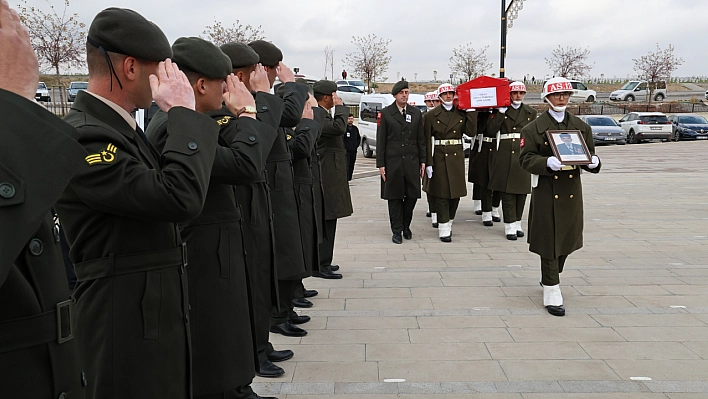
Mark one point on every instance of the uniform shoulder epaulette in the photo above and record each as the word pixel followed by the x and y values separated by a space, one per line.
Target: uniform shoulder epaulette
pixel 223 121
pixel 106 156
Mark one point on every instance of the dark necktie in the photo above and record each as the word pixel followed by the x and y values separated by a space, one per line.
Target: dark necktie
pixel 142 135
pixel 403 112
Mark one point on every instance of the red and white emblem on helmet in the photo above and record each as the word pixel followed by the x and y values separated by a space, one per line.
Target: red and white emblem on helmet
pixel 444 88
pixel 430 96
pixel 517 86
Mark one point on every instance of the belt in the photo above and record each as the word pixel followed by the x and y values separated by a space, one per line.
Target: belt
pixel 510 136
pixel 117 265
pixel 38 329
pixel 447 142
pixel 487 139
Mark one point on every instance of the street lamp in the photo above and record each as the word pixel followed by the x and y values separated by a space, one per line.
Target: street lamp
pixel 435 76
pixel 415 76
pixel 508 15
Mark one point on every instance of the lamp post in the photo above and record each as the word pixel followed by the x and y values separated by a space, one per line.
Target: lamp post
pixel 508 15
pixel 435 76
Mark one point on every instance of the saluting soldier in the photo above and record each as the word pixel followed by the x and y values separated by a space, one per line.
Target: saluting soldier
pixel 333 158
pixel 401 158
pixel 39 355
pixel 223 347
pixel 445 126
pixel 119 212
pixel 506 176
pixel 556 213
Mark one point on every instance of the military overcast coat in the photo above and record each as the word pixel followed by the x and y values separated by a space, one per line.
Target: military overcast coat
pixel 481 151
pixel 333 161
pixel 505 173
pixel 448 161
pixel 556 213
pixel 38 156
pixel 400 148
pixel 119 216
pixel 223 347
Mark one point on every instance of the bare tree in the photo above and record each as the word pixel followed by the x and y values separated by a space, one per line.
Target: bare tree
pixel 657 66
pixel 220 34
pixel 467 61
pixel 570 62
pixel 370 59
pixel 58 40
pixel 329 61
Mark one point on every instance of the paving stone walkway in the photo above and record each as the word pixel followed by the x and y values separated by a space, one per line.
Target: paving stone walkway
pixel 465 319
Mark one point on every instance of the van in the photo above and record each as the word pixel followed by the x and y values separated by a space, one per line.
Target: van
pixel 639 90
pixel 370 107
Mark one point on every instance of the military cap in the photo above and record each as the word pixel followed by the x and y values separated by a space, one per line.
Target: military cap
pixel 269 53
pixel 241 54
pixel 124 31
pixel 202 57
pixel 324 87
pixel 400 85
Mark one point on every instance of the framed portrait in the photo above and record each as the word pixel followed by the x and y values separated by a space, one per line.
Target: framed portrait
pixel 569 147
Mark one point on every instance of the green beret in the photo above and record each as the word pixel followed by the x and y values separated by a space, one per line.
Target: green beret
pixel 241 54
pixel 400 85
pixel 123 31
pixel 270 55
pixel 324 87
pixel 202 57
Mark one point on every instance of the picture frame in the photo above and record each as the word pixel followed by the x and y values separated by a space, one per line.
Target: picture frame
pixel 569 147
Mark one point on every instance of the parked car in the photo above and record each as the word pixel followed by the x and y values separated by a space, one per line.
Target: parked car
pixel 353 82
pixel 42 93
pixel 706 94
pixel 74 89
pixel 310 81
pixel 418 101
pixel 370 106
pixel 639 90
pixel 580 92
pixel 350 95
pixel 688 127
pixel 640 126
pixel 604 129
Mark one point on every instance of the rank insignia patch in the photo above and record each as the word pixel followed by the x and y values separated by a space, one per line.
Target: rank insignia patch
pixel 521 144
pixel 106 156
pixel 224 120
pixel 288 137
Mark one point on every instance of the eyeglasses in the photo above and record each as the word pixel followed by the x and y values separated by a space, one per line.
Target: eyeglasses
pixel 565 94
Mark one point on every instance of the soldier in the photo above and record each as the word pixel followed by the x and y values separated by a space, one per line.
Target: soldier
pixel 352 142
pixel 401 158
pixel 506 176
pixel 330 148
pixel 223 347
pixel 444 127
pixel 431 213
pixel 120 210
pixel 39 355
pixel 556 213
pixel 481 152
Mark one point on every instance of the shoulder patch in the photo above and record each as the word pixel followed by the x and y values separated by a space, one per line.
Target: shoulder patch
pixel 224 120
pixel 106 156
pixel 521 143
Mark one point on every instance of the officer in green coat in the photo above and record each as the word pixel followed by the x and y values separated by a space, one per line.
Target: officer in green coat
pixel 505 174
pixel 556 213
pixel 39 352
pixel 120 212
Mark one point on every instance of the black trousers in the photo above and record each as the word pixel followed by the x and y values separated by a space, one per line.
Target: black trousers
pixel 286 294
pixel 490 199
pixel 447 209
pixel 512 206
pixel 243 392
pixel 551 270
pixel 432 203
pixel 400 212
pixel 477 192
pixel 351 158
pixel 326 249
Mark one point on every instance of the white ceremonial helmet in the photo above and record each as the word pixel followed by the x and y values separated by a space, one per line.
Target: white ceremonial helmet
pixel 444 88
pixel 556 85
pixel 517 86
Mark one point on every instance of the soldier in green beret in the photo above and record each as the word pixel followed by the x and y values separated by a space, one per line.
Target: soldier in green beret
pixel 120 211
pixel 222 337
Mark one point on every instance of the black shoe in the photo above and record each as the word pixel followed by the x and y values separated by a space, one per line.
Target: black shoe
pixel 334 268
pixel 310 293
pixel 479 213
pixel 300 319
pixel 511 237
pixel 288 329
pixel 280 356
pixel 556 310
pixel 269 370
pixel 488 223
pixel 327 275
pixel 519 233
pixel 496 219
pixel 435 225
pixel 446 239
pixel 407 234
pixel 255 396
pixel 302 303
pixel 427 214
pixel 397 239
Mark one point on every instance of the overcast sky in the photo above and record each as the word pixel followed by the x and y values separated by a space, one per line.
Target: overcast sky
pixel 423 33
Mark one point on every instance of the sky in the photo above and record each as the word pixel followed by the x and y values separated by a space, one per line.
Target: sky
pixel 423 33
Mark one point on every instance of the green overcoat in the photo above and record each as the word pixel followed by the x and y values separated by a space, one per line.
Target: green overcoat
pixel 505 173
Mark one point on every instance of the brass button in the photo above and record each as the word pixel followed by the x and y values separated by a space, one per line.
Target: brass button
pixel 556 197
pixel 446 154
pixel 514 128
pixel 555 177
pixel 490 149
pixel 505 117
pixel 454 131
pixel 571 195
pixel 460 120
pixel 455 154
pixel 570 176
pixel 546 143
pixel 512 152
pixel 513 140
pixel 438 122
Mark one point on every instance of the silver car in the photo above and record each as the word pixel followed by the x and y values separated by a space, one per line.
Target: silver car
pixel 605 129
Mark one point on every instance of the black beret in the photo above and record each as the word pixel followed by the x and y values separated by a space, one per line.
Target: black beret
pixel 124 31
pixel 400 85
pixel 202 57
pixel 269 53
pixel 241 54
pixel 324 87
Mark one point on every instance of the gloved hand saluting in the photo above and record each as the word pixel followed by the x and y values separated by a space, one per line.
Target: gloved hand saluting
pixel 554 164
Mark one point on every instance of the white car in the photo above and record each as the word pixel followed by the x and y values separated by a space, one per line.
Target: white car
pixel 309 78
pixel 350 95
pixel 353 82
pixel 581 93
pixel 638 90
pixel 42 93
pixel 640 126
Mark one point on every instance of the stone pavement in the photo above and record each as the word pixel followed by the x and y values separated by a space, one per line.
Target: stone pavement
pixel 427 319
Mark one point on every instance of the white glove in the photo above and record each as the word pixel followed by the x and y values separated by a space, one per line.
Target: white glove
pixel 429 171
pixel 595 162
pixel 470 110
pixel 554 163
pixel 502 109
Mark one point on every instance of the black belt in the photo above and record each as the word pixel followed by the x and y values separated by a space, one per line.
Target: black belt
pixel 117 265
pixel 38 329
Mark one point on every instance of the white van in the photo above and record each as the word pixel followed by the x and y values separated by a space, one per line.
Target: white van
pixel 370 107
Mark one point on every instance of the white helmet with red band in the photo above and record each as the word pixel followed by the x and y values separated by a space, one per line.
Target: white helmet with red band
pixel 517 86
pixel 556 85
pixel 444 88
pixel 430 96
